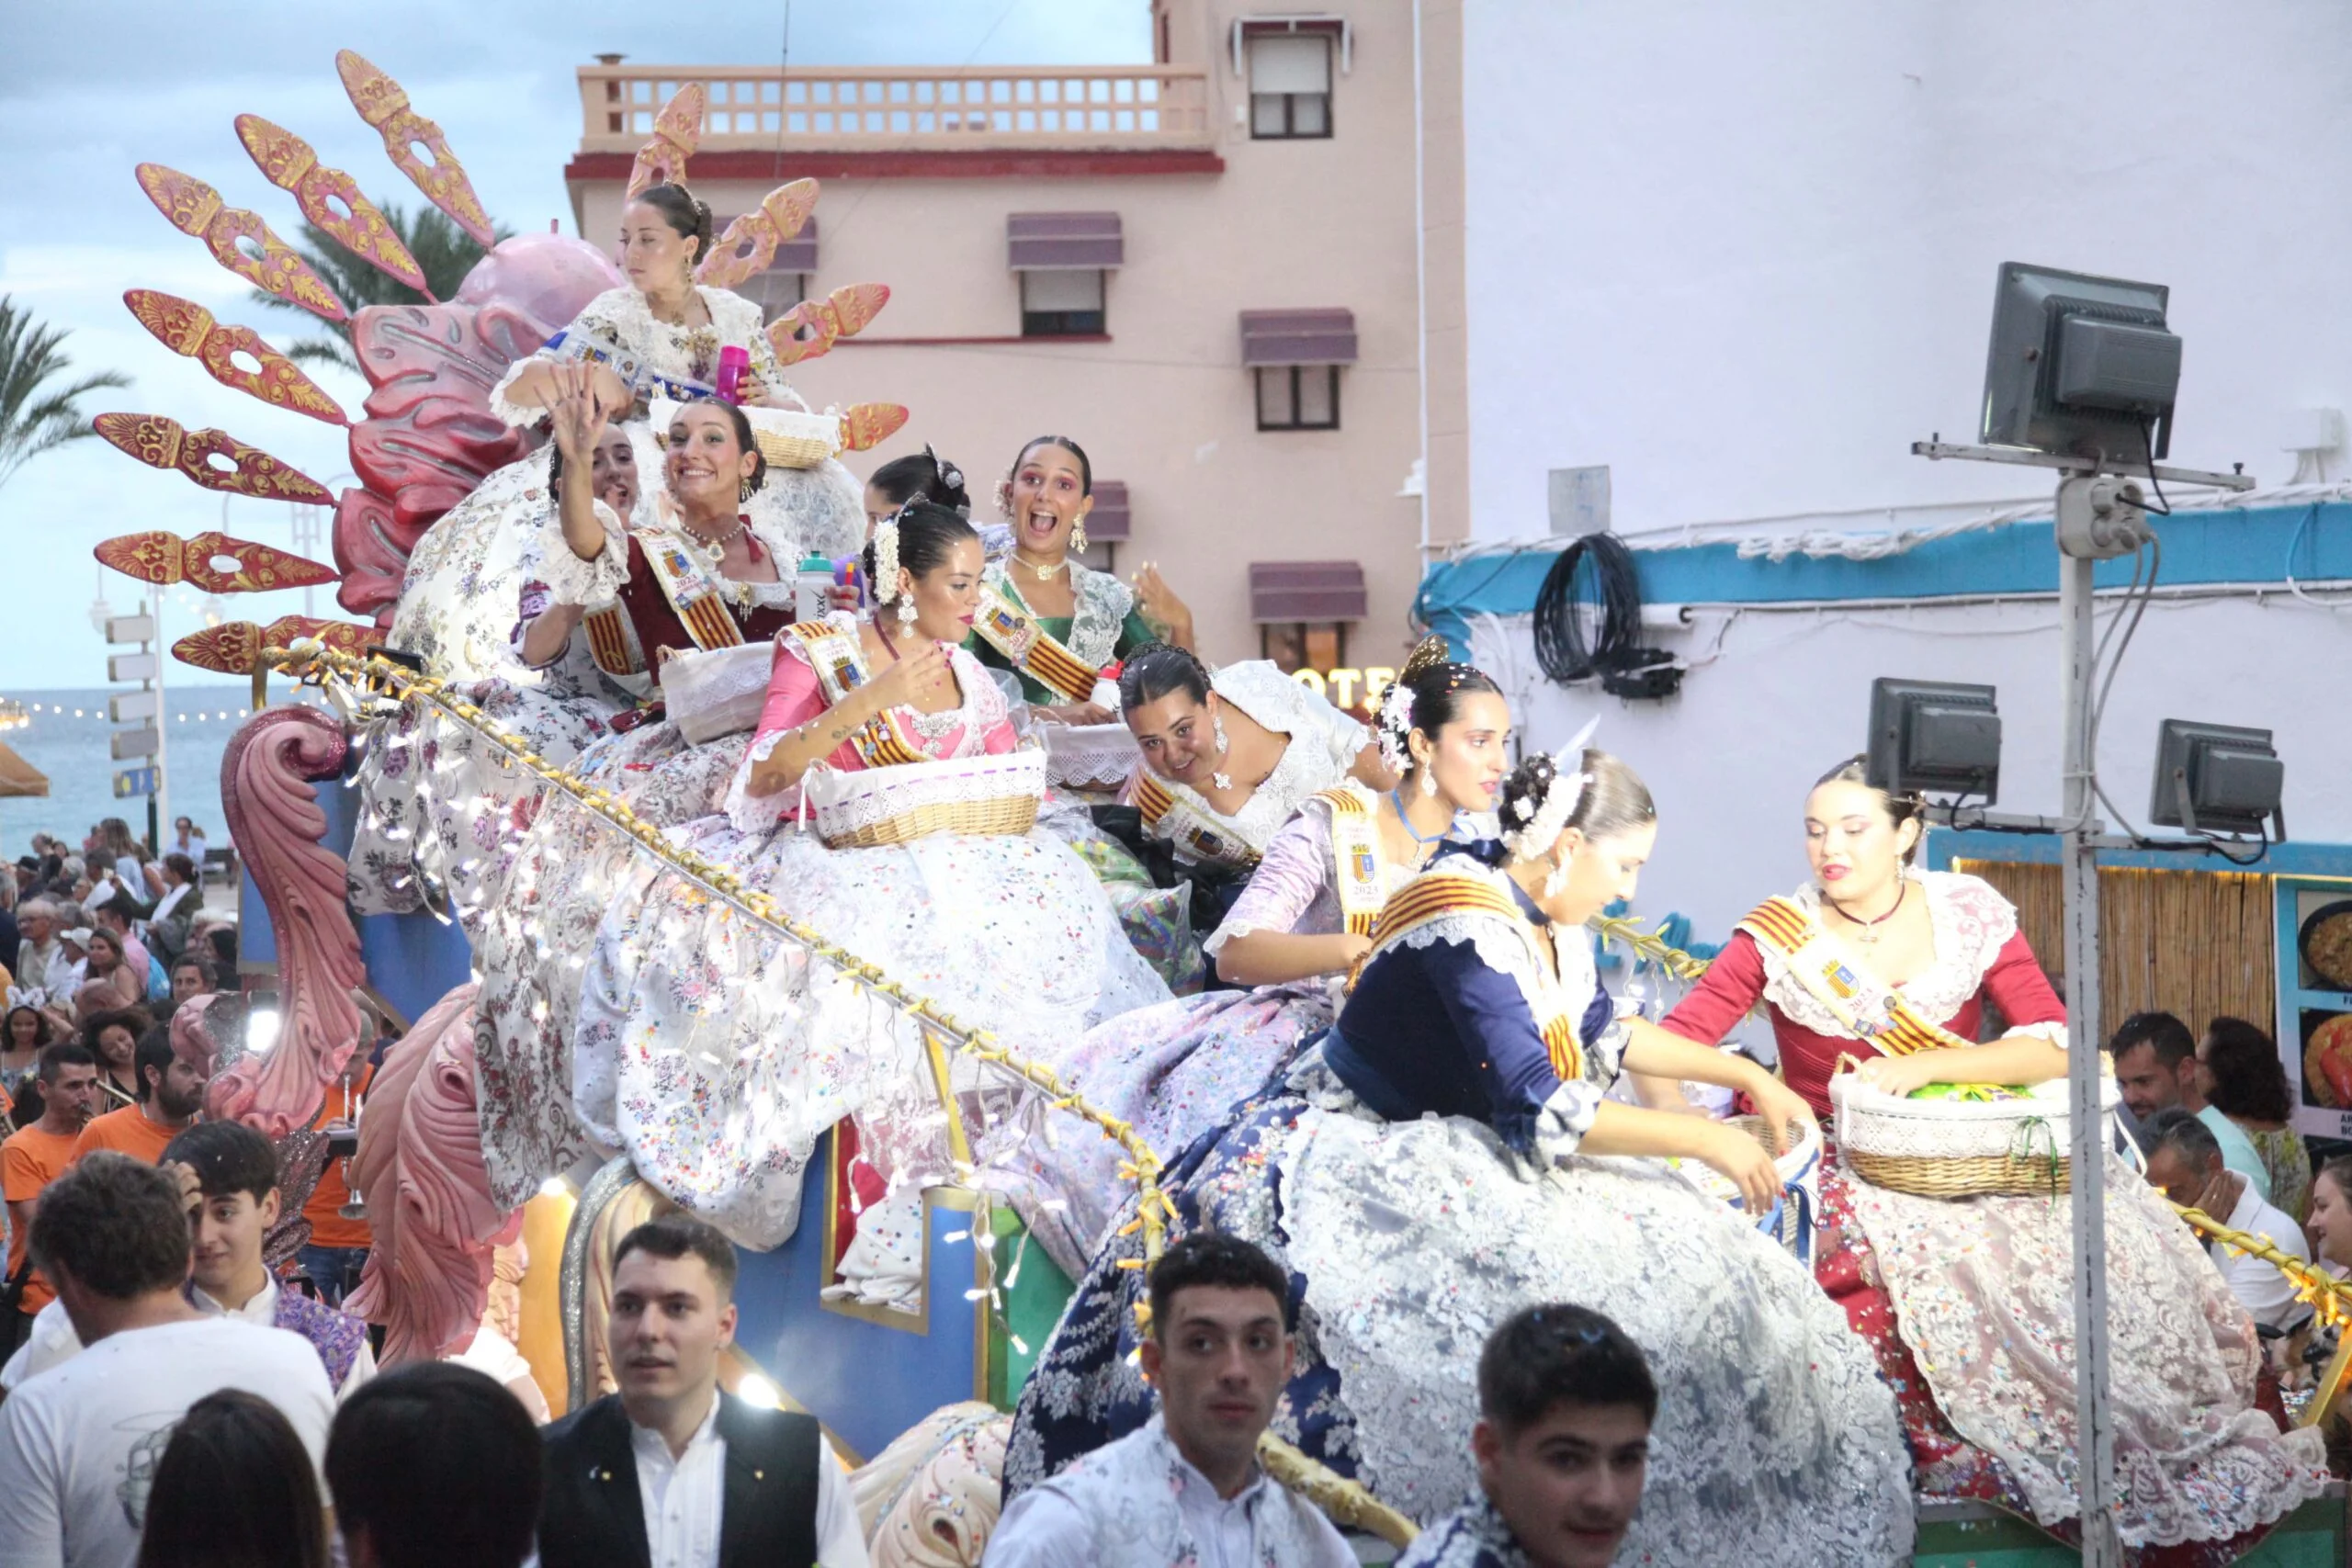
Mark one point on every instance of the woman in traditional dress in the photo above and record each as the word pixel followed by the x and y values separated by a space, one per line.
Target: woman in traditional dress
pixel 1046 615
pixel 1227 759
pixel 1967 1301
pixel 659 338
pixel 703 1045
pixel 1446 1154
pixel 1305 919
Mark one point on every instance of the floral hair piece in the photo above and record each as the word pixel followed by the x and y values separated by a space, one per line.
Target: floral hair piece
pixel 885 559
pixel 1394 723
pixel 1541 826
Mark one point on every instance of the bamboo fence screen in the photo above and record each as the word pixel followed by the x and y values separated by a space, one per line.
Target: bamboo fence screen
pixel 2196 944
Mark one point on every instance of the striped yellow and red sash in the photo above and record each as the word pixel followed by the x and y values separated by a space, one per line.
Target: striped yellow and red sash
pixel 1010 628
pixel 612 641
pixel 1190 827
pixel 1434 895
pixel 699 597
pixel 1869 1008
pixel 834 655
pixel 1355 857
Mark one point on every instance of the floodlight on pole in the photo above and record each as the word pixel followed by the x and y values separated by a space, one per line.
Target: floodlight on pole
pixel 2080 376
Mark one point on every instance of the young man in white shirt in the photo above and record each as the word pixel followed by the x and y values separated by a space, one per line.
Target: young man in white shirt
pixel 1185 1487
pixel 79 1444
pixel 1566 1402
pixel 2185 1163
pixel 670 1473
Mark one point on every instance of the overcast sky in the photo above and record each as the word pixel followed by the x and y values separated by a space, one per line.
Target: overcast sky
pixel 89 90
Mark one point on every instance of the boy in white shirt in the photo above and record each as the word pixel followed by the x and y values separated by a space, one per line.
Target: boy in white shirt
pixel 79 1445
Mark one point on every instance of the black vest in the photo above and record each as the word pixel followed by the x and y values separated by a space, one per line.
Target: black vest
pixel 592 1515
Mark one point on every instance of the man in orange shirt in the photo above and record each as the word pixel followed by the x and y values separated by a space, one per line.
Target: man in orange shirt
pixel 171 1092
pixel 34 1156
pixel 338 1245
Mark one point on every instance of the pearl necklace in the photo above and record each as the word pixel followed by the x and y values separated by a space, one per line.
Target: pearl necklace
pixel 1043 573
pixel 717 545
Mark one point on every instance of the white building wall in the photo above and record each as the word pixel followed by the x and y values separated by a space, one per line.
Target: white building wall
pixel 1743 253
pixel 1730 760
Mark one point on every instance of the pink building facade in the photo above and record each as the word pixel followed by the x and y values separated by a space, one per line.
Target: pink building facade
pixel 1207 271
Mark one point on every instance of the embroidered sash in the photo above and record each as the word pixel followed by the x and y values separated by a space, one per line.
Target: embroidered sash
pixel 1355 857
pixel 569 346
pixel 1186 821
pixel 1436 895
pixel 840 665
pixel 1010 628
pixel 1872 1010
pixel 697 595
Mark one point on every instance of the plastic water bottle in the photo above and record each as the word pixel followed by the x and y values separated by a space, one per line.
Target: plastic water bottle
pixel 812 588
pixel 734 364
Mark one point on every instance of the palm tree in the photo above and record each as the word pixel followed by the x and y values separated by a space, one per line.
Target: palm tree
pixel 34 416
pixel 444 251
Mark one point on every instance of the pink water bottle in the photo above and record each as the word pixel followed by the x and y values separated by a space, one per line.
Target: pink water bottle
pixel 733 364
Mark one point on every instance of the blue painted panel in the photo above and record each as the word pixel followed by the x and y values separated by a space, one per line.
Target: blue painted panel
pixel 866 1381
pixel 2258 545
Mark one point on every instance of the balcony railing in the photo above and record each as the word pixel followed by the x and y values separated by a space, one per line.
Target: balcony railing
pixel 913 108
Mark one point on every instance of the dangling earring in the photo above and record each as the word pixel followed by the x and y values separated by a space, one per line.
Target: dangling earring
pixel 1216 727
pixel 905 614
pixel 1429 779
pixel 1078 537
pixel 743 492
pixel 1556 880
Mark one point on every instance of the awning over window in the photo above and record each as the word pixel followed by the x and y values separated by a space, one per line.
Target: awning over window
pixel 1298 337
pixel 1109 521
pixel 1041 242
pixel 1306 590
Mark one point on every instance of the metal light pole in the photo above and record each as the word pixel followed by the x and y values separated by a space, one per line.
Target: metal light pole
pixel 2095 520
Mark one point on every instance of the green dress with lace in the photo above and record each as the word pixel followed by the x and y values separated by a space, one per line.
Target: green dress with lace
pixel 1105 625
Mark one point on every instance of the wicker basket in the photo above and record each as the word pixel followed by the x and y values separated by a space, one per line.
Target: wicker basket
pixel 898 805
pixel 1954 1149
pixel 1789 1224
pixel 1100 757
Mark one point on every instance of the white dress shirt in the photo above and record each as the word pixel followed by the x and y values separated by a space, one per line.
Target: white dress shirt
pixel 1097 1514
pixel 262 1310
pixel 53 1340
pixel 684 1498
pixel 2265 1293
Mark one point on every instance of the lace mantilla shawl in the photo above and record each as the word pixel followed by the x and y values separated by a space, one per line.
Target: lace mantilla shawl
pixel 1099 606
pixel 1324 743
pixel 1127 1490
pixel 1972 922
pixel 619 316
pixel 1509 947
pixel 969 723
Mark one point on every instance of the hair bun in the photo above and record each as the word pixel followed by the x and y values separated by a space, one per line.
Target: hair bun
pixel 1426 653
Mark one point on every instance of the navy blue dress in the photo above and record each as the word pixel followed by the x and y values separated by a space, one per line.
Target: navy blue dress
pixel 1416 1174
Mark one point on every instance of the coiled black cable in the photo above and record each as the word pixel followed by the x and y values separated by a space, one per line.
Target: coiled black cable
pixel 1616 592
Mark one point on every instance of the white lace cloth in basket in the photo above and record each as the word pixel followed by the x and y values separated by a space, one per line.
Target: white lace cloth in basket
pixel 844 803
pixel 2037 1126
pixel 721 692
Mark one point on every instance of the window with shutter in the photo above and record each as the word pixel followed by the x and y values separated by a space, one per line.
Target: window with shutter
pixel 1290 87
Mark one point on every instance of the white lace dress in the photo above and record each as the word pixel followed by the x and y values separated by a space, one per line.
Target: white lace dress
pixel 711 1053
pixel 465 591
pixel 1408 1241
pixel 1324 744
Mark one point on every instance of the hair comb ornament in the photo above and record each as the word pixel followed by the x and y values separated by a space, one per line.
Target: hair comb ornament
pixel 949 474
pixel 1541 826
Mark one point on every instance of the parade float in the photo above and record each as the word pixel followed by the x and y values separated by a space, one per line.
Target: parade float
pixel 392 846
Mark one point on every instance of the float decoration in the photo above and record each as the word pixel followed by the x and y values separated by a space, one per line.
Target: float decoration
pixel 383 104
pixel 187 328
pixel 162 441
pixel 854 306
pixel 164 559
pixel 291 164
pixel 270 265
pixel 866 426
pixel 677 130
pixel 749 243
pixel 233 647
